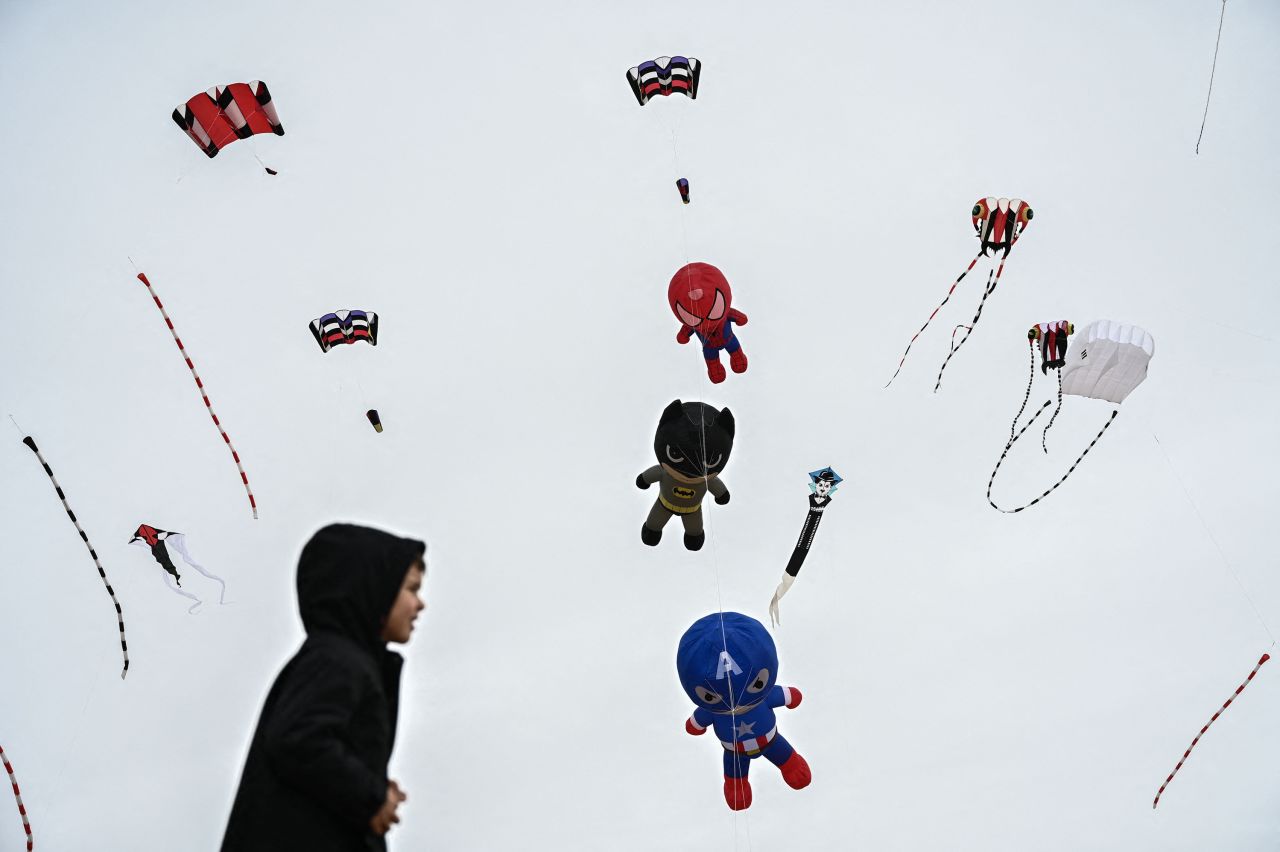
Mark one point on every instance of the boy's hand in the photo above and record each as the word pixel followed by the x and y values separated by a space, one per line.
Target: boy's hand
pixel 386 815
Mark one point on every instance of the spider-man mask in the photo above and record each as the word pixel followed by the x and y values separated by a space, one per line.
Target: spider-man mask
pixel 700 297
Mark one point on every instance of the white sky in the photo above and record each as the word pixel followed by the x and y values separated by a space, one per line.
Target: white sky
pixel 481 177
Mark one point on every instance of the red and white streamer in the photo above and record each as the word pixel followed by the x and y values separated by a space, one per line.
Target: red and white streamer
pixel 1221 710
pixel 253 504
pixel 17 794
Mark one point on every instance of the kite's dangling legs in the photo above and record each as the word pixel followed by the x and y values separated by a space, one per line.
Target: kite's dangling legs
pixel 1054 487
pixel 1030 378
pixel 1044 436
pixel 17 794
pixel 1221 710
pixel 168 581
pixel 954 284
pixel 992 281
pixel 124 647
pixel 244 478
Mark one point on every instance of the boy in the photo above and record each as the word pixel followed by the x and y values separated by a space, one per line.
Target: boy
pixel 316 775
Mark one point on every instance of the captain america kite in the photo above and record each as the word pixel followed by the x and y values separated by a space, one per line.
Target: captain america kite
pixel 728 666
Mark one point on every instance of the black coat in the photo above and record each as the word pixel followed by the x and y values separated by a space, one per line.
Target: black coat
pixel 317 767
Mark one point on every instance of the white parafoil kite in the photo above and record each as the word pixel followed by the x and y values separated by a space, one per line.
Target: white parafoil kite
pixel 1108 362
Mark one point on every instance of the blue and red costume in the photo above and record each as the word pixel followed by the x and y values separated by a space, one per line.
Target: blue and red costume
pixel 702 300
pixel 728 665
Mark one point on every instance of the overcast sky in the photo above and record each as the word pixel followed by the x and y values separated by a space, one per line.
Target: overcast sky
pixel 480 176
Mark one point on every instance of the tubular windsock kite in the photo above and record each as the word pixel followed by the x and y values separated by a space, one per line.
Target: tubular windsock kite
pixel 998 223
pixel 215 118
pixel 666 75
pixel 159 542
pixel 1214 718
pixel 124 647
pixel 244 478
pixel 822 486
pixel 682 186
pixel 1110 360
pixel 17 794
pixel 374 420
pixel 345 327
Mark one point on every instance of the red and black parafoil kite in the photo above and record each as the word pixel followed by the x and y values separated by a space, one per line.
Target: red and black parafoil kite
pixel 215 118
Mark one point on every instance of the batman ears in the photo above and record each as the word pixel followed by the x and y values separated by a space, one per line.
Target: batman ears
pixel 725 421
pixel 672 411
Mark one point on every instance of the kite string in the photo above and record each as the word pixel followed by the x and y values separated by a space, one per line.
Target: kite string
pixel 1208 532
pixel 1212 70
pixel 706 516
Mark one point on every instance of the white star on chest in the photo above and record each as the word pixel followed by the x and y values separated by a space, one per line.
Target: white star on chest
pixel 744 728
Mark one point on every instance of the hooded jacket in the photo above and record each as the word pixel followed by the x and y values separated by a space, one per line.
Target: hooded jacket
pixel 317 767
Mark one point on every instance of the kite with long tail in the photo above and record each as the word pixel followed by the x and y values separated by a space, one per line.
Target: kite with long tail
pixel 998 223
pixel 253 504
pixel 159 542
pixel 1214 718
pixel 17 794
pixel 822 485
pixel 1108 363
pixel 1052 337
pixel 124 647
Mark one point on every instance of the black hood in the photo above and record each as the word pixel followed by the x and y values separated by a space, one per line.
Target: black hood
pixel 694 438
pixel 348 578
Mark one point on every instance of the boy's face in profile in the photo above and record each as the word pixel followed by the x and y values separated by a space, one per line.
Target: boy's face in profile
pixel 398 626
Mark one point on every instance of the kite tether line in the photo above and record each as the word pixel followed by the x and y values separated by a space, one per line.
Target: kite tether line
pixel 124 648
pixel 1212 70
pixel 253 504
pixel 17 794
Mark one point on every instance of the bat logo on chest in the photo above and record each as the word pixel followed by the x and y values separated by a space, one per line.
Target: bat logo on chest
pixel 684 493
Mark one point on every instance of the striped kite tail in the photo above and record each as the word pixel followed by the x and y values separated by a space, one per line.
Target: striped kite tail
pixel 17 794
pixel 124 646
pixel 1214 718
pixel 968 329
pixel 1070 470
pixel 941 304
pixel 1026 396
pixel 244 478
